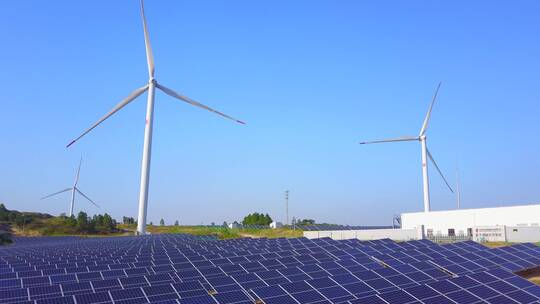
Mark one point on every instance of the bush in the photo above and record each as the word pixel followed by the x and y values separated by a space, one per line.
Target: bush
pixel 305 222
pixel 47 224
pixel 128 220
pixel 5 237
pixel 257 219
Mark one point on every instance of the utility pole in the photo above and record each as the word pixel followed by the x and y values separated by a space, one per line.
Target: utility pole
pixel 287 207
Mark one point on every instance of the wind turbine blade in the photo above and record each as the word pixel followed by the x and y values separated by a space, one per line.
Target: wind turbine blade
pixel 193 102
pixel 119 106
pixel 439 170
pixel 78 172
pixel 86 197
pixel 428 115
pixel 404 138
pixel 67 189
pixel 149 56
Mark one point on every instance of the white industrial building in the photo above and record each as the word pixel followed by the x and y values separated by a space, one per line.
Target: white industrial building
pixel 464 221
pixel 498 224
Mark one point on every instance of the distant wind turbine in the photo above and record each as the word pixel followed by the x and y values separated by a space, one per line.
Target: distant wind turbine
pixel 150 87
pixel 425 152
pixel 73 189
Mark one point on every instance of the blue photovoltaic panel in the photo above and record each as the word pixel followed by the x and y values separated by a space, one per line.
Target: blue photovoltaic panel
pixel 231 297
pixel 283 299
pixel 206 299
pixel 125 294
pixel 93 298
pixel 268 292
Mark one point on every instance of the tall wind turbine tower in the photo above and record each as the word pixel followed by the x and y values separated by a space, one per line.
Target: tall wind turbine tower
pixel 150 87
pixel 287 207
pixel 422 137
pixel 73 189
pixel 458 188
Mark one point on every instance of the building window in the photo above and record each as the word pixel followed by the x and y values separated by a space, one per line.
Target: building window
pixel 451 232
pixel 469 231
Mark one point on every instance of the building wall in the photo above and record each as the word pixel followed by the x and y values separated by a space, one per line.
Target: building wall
pixel 438 222
pixel 522 234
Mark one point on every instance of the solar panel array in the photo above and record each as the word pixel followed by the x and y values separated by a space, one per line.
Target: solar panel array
pixel 330 227
pixel 198 270
pixel 254 226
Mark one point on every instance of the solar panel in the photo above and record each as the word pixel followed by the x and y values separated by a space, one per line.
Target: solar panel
pixel 13 294
pixel 483 292
pixel 397 297
pixel 125 294
pixel 268 292
pixel 227 288
pixel 359 288
pixel 93 298
pixel 232 297
pixel 58 300
pixel 206 299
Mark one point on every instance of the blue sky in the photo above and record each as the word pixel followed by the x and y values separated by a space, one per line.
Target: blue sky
pixel 310 78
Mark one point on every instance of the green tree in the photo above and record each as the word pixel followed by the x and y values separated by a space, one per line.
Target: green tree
pixel 4 213
pixel 305 222
pixel 257 219
pixel 267 219
pixel 128 220
pixel 98 220
pixel 108 223
pixel 82 221
pixel 176 223
pixel 161 222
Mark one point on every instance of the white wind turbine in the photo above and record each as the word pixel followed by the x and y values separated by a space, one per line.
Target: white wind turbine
pixel 425 152
pixel 73 189
pixel 150 87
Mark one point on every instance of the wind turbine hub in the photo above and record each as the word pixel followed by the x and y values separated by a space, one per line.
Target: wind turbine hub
pixel 152 81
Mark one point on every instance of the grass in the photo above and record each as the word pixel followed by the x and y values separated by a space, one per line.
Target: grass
pixel 501 244
pixel 220 232
pixel 271 233
pixel 56 226
pixel 496 244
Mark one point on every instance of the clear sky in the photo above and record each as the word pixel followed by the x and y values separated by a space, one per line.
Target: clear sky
pixel 310 78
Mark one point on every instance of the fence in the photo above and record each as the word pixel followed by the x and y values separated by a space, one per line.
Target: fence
pixel 480 234
pixel 369 234
pixel 449 238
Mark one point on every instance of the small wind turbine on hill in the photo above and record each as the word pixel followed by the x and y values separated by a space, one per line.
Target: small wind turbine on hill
pixel 150 87
pixel 425 152
pixel 73 189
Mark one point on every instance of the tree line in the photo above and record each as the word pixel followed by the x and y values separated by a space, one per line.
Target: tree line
pixel 81 224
